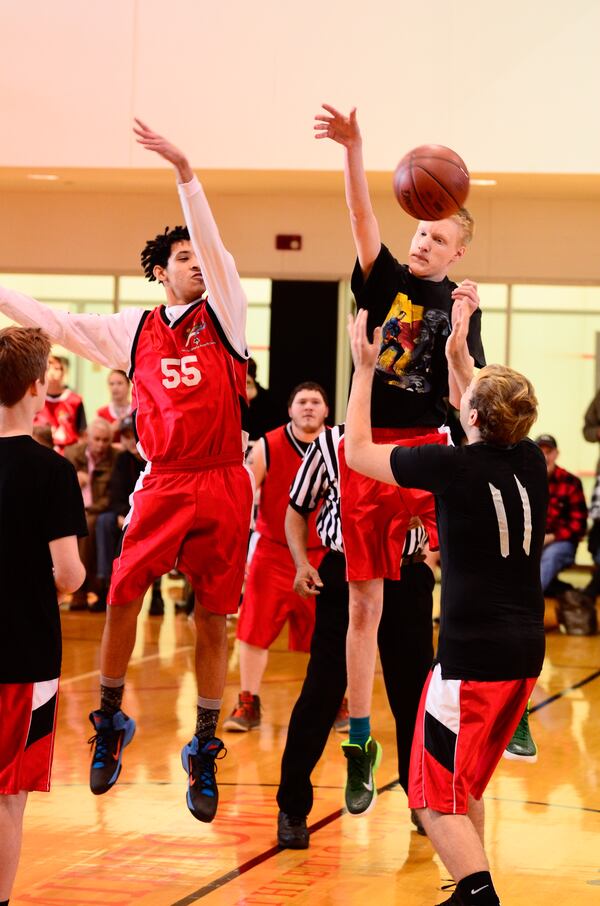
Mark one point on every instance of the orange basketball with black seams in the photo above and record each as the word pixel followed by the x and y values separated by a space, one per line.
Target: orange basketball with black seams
pixel 431 182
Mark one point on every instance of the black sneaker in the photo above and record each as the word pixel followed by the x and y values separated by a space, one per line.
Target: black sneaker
pixel 292 832
pixel 200 765
pixel 113 733
pixel 361 792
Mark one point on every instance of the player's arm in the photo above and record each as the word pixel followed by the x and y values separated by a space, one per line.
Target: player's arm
pixel 104 339
pixel 69 571
pixel 361 453
pixel 307 581
pixel 460 361
pixel 257 462
pixel 225 293
pixel 365 228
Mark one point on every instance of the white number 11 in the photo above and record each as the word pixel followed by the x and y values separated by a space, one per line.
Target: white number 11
pixel 503 521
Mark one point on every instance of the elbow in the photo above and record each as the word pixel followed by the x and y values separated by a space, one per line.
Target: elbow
pixel 352 456
pixel 69 580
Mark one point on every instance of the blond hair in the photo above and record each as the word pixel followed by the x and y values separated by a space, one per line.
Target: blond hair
pixel 465 221
pixel 506 405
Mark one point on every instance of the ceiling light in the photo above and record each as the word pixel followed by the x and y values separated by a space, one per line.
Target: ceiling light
pixel 48 177
pixel 484 182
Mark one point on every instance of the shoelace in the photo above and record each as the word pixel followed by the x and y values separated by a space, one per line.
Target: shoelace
pixel 208 767
pixel 101 751
pixel 356 771
pixel 294 821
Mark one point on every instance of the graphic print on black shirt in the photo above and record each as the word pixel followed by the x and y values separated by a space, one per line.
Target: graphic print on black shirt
pixel 409 336
pixel 411 376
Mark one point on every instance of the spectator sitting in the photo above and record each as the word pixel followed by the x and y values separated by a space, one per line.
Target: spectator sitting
pixel 126 471
pixel 119 406
pixel 591 424
pixel 566 522
pixel 576 610
pixel 63 409
pixel 262 410
pixel 93 460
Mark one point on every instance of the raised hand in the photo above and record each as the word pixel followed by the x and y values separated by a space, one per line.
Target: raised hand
pixel 364 354
pixel 152 141
pixel 466 292
pixel 336 126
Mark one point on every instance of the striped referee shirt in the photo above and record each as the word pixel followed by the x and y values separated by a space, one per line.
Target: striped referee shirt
pixel 318 479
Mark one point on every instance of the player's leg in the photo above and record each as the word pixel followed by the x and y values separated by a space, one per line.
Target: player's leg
pixel 406 651
pixel 163 507
pixel 213 556
pixel 11 834
pixel 363 753
pixel 458 841
pixel 317 705
pixel 262 615
pixel 114 729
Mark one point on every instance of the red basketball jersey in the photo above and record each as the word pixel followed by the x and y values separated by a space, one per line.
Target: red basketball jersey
pixel 61 415
pixel 186 388
pixel 284 455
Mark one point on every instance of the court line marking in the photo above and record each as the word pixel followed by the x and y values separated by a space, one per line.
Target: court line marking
pixel 274 850
pixel 262 857
pixel 132 663
pixel 565 691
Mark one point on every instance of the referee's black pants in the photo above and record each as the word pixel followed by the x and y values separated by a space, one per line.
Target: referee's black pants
pixel 406 653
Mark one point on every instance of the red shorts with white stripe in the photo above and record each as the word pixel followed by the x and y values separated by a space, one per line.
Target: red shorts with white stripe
pixel 462 729
pixel 375 516
pixel 197 520
pixel 27 728
pixel 269 599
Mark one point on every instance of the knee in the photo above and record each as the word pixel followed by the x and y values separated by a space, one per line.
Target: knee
pixel 209 625
pixel 365 611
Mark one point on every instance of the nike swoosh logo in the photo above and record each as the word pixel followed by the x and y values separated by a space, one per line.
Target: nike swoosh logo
pixel 118 752
pixel 473 892
pixel 369 786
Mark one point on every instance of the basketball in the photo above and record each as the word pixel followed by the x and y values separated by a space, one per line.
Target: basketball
pixel 431 182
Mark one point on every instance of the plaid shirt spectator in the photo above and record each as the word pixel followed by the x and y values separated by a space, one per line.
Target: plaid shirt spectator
pixel 567 510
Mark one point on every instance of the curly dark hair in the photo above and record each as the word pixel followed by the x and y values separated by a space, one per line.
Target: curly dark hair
pixel 157 250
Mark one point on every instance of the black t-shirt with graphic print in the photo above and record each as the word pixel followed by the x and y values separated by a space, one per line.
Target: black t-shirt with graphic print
pixel 411 376
pixel 40 501
pixel 491 512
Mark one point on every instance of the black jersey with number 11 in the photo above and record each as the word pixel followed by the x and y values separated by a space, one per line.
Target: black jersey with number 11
pixel 491 511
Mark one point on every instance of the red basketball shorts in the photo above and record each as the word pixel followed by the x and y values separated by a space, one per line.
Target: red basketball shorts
pixel 269 599
pixel 27 728
pixel 195 520
pixel 375 516
pixel 461 731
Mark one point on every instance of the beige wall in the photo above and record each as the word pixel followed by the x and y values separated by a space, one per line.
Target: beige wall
pixel 512 85
pixel 516 239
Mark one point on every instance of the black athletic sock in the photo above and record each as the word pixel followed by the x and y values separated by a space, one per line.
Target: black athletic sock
pixel 477 890
pixel 206 723
pixel 111 698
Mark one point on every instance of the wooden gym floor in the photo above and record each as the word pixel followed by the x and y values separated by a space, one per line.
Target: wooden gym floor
pixel 138 844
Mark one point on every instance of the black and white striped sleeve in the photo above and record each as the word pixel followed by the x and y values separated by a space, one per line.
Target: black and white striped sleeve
pixel 310 482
